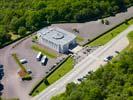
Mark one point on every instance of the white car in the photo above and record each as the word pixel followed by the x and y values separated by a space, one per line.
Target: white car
pixel 43 60
pixel 39 56
pixel 23 61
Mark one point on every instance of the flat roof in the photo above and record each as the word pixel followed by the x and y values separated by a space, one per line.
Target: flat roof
pixel 56 35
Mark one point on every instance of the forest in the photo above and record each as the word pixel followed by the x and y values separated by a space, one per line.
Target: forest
pixel 25 16
pixel 113 81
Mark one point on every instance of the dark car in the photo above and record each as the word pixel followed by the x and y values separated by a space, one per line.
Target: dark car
pixel 117 52
pixel 80 79
pixel 108 58
pixel 1 71
pixel 1 66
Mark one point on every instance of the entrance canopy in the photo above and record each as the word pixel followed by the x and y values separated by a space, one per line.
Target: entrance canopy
pixel 76 49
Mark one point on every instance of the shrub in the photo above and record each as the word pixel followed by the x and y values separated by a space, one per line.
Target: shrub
pixel 106 22
pixel 22 31
pixel 102 21
pixel 27 77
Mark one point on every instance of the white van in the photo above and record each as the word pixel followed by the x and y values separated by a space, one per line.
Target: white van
pixel 39 56
pixel 43 60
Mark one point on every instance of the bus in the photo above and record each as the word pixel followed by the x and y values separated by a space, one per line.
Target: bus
pixel 39 56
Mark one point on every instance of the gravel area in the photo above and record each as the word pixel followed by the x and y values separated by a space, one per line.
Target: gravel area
pixel 92 29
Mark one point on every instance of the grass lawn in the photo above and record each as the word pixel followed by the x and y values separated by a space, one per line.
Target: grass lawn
pixel 14 55
pixel 44 51
pixel 14 37
pixel 40 88
pixel 108 36
pixel 130 37
pixel 57 74
pixel 61 71
pixel 79 38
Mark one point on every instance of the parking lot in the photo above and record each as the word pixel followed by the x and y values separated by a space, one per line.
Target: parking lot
pixel 11 81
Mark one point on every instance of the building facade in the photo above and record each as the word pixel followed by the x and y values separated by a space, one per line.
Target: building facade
pixel 57 39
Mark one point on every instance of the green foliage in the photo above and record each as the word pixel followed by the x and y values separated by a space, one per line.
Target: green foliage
pixel 22 31
pixel 35 14
pixel 130 37
pixel 65 66
pixel 106 22
pixel 111 34
pixel 46 81
pixel 44 51
pixel 4 37
pixel 34 38
pixel 110 82
pixel 79 38
pixel 27 77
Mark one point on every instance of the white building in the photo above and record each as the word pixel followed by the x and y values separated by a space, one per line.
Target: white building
pixel 57 39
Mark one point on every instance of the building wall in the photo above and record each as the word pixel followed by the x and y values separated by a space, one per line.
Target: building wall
pixel 64 48
pixel 56 47
pixel 48 43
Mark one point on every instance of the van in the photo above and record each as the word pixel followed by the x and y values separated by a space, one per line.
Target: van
pixel 39 56
pixel 43 60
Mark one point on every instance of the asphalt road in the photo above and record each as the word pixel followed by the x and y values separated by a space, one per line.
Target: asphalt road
pixel 91 62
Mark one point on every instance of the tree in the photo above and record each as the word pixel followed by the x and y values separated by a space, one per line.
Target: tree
pixel 40 5
pixel 106 22
pixel 14 24
pixel 35 14
pixel 46 81
pixel 22 31
pixel 70 87
pixel 102 21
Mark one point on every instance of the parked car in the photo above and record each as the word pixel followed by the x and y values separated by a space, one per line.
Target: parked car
pixel 80 79
pixel 39 56
pixel 23 61
pixel 90 72
pixel 29 71
pixel 1 66
pixel 108 58
pixel 1 72
pixel 43 61
pixel 117 52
